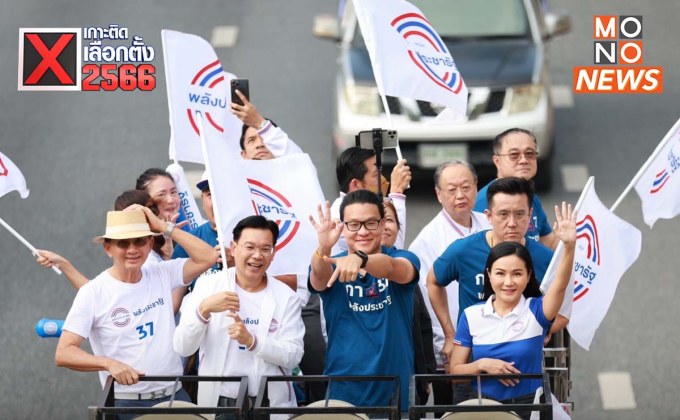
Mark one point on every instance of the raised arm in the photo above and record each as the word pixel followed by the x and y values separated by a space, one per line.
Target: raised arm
pixel 201 255
pixel 328 232
pixel 565 230
pixel 48 259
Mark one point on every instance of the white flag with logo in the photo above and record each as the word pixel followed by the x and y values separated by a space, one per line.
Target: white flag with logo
pixel 409 58
pixel 196 82
pixel 11 178
pixel 188 208
pixel 606 246
pixel 659 185
pixel 285 190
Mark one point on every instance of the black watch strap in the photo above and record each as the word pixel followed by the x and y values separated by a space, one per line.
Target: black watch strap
pixel 364 258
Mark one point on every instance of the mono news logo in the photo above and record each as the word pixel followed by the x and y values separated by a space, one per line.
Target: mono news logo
pixel 49 59
pixel 618 48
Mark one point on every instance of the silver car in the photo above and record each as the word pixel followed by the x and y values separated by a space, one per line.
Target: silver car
pixel 499 48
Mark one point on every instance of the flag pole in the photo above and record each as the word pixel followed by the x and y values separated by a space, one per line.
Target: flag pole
pixel 216 212
pixel 577 207
pixel 25 242
pixel 646 165
pixel 389 120
pixel 173 145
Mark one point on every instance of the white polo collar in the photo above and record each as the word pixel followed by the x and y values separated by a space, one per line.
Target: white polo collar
pixel 488 310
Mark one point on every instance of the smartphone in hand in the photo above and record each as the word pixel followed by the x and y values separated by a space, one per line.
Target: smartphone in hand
pixel 242 86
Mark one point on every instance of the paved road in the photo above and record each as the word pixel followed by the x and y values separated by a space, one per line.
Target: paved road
pixel 79 150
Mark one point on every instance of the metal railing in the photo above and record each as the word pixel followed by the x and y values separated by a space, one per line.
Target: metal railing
pixel 261 411
pixel 418 411
pixel 104 408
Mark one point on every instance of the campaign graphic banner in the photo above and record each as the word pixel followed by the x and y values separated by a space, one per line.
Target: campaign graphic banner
pixel 11 178
pixel 196 81
pixel 409 58
pixel 659 186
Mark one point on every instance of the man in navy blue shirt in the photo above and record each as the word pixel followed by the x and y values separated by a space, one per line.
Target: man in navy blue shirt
pixel 367 293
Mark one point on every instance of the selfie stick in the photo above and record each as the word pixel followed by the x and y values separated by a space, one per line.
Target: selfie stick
pixel 378 147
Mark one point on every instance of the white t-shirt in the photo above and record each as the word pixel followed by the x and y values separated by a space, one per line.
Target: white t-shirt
pixel 430 243
pixel 240 361
pixel 131 322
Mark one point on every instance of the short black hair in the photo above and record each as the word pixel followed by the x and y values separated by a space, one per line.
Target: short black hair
pixel 498 140
pixel 245 127
pixel 361 197
pixel 350 165
pixel 256 222
pixel 511 186
pixel 505 249
pixel 149 175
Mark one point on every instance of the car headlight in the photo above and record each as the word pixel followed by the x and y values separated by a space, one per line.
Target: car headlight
pixel 363 99
pixel 524 98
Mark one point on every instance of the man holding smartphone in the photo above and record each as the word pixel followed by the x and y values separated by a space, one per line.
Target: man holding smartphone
pixel 260 138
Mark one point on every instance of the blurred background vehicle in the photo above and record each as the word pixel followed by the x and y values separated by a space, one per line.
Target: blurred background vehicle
pixel 499 47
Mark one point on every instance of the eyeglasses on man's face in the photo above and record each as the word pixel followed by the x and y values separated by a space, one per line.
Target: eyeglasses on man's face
pixel 516 155
pixel 371 224
pixel 250 248
pixel 125 243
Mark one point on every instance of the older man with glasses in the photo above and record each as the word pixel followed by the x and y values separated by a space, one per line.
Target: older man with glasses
pixel 126 311
pixel 515 153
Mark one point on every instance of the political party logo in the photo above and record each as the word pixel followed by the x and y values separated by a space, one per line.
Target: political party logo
pixel 588 243
pixel 274 206
pixel 120 317
pixel 206 95
pixel 659 181
pixel 273 326
pixel 52 59
pixel 428 53
pixel 49 59
pixel 3 169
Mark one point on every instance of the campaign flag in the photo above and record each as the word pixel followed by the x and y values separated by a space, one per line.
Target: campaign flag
pixel 188 209
pixel 606 246
pixel 285 190
pixel 409 58
pixel 659 185
pixel 196 81
pixel 11 178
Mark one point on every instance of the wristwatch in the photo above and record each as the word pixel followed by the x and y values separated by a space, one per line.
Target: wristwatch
pixel 262 125
pixel 363 256
pixel 169 227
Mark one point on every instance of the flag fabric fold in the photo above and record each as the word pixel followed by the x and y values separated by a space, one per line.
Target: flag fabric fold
pixel 409 58
pixel 659 186
pixel 11 178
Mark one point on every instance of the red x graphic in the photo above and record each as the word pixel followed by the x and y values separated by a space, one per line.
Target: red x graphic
pixel 3 169
pixel 49 59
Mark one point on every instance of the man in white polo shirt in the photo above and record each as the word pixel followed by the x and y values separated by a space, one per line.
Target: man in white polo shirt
pixel 455 184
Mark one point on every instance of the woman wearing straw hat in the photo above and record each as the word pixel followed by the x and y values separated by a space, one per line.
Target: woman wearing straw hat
pixel 126 311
